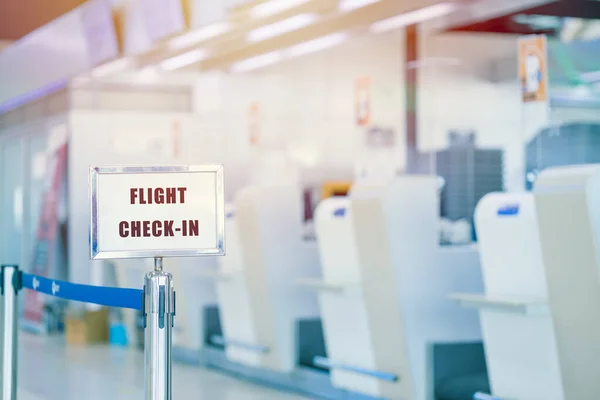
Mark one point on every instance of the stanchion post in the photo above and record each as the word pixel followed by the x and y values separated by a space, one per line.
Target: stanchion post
pixel 10 280
pixel 159 311
pixel 198 205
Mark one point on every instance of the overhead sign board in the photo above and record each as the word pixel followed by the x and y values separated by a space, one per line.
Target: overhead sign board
pixel 156 211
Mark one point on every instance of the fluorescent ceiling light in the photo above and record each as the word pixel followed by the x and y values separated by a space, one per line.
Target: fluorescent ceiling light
pixel 257 62
pixel 112 67
pixel 571 29
pixel 81 79
pixel 315 45
pixel 413 17
pixel 148 75
pixel 590 31
pixel 183 60
pixel 281 27
pixel 310 46
pixel 199 35
pixel 349 5
pixel 275 7
pixel 538 21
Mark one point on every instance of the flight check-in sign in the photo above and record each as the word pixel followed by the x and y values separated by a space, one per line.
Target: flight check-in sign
pixel 156 211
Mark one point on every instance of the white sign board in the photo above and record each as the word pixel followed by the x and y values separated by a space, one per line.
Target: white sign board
pixel 156 211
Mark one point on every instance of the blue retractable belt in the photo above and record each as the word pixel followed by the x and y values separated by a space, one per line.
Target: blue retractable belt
pixel 106 296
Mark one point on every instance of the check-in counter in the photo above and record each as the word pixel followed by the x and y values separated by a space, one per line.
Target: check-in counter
pixel 198 317
pixel 518 332
pixel 567 201
pixel 234 302
pixel 385 287
pixel 342 302
pixel 264 314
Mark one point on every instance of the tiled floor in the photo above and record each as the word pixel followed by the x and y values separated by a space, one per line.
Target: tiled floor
pixel 50 371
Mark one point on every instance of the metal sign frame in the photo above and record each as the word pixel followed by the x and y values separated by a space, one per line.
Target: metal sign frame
pixel 218 250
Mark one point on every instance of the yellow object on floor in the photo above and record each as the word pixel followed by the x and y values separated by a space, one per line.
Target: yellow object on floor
pixel 90 327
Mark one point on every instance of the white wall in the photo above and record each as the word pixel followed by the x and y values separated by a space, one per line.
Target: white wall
pixel 26 169
pixel 307 104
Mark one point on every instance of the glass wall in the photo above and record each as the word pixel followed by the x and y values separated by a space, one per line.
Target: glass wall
pixel 493 112
pixel 27 170
pixel 468 124
pixel 11 200
pixel 566 129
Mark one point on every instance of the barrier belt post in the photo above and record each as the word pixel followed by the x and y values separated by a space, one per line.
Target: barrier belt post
pixel 10 278
pixel 159 312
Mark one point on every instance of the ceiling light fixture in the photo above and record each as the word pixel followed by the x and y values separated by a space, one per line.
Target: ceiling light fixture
pixel 413 17
pixel 81 79
pixel 148 75
pixel 199 35
pixel 112 67
pixel 349 5
pixel 275 7
pixel 311 46
pixel 300 49
pixel 183 60
pixel 257 62
pixel 279 28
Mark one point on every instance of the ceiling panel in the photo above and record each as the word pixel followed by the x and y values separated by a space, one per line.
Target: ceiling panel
pixel 19 17
pixel 548 18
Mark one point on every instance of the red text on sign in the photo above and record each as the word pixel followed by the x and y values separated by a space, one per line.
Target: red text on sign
pixel 157 228
pixel 170 195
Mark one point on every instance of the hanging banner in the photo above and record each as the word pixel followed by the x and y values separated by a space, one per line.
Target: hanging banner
pixel 46 236
pixel 533 68
pixel 163 18
pixel 100 31
pixel 362 101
